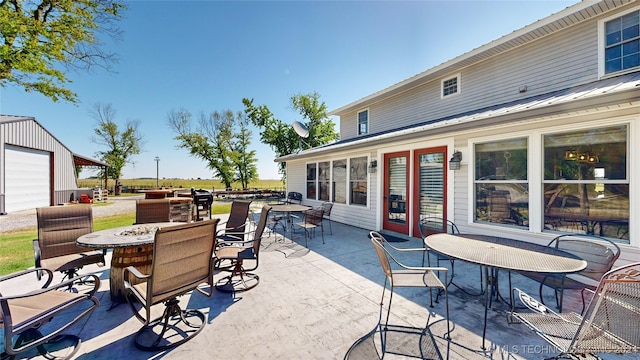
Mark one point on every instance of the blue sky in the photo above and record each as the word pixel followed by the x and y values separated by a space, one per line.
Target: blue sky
pixel 205 56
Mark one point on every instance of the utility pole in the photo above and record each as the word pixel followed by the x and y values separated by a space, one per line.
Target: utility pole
pixel 157 159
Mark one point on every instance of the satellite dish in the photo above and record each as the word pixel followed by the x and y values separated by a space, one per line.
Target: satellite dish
pixel 301 129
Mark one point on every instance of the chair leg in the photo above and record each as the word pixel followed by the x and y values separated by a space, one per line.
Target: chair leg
pixel 55 344
pixel 146 339
pixel 247 280
pixel 306 236
pixel 446 301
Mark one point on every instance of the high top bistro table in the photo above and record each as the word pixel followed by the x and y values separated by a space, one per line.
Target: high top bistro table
pixel 494 253
pixel 132 246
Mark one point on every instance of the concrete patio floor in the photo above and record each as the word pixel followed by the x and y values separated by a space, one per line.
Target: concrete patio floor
pixel 315 303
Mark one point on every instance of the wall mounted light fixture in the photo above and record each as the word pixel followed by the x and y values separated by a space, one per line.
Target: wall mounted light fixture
pixel 454 162
pixel 373 165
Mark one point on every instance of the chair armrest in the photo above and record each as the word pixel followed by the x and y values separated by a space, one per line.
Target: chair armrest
pixel 593 292
pixel 230 229
pixel 62 285
pixel 37 254
pixel 531 303
pixel 419 268
pixel 240 242
pixel 135 272
pixel 28 271
pixel 233 238
pixel 407 249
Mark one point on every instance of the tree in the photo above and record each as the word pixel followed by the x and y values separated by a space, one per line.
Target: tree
pixel 244 158
pixel 215 141
pixel 281 136
pixel 121 146
pixel 39 40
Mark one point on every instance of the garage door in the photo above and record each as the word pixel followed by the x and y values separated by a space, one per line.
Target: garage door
pixel 27 178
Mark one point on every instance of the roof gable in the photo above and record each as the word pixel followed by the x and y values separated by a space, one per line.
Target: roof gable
pixel 570 16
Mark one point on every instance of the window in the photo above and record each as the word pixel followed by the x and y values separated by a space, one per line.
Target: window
pixel 622 43
pixel 586 185
pixel 352 185
pixel 324 177
pixel 363 122
pixel 450 86
pixel 311 181
pixel 358 181
pixel 501 182
pixel 340 181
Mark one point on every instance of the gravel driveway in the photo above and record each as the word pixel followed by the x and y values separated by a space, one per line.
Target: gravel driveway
pixel 27 218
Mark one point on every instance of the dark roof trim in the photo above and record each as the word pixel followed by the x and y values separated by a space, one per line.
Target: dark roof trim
pixel 624 89
pixel 80 160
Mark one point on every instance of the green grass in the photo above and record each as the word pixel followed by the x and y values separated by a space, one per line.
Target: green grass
pixel 16 248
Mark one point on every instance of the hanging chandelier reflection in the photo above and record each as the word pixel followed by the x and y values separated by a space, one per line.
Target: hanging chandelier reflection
pixel 585 157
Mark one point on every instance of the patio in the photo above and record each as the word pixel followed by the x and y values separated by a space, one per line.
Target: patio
pixel 315 303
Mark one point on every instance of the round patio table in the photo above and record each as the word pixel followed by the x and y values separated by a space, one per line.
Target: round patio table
pixel 132 246
pixel 493 253
pixel 287 209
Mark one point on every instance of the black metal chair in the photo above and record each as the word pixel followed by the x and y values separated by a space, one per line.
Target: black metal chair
pixel 312 219
pixel 294 197
pixel 609 325
pixel 327 207
pixel 599 253
pixel 434 225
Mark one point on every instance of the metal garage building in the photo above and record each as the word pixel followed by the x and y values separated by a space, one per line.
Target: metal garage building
pixel 35 168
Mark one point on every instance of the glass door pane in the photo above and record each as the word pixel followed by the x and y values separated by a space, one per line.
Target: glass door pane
pixel 396 181
pixel 430 180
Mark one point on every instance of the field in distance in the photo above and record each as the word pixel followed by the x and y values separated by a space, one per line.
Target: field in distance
pixel 207 184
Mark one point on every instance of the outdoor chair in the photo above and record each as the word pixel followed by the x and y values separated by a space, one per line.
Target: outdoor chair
pixel 58 229
pixel 401 275
pixel 294 197
pixel 327 207
pixel 153 210
pixel 435 225
pixel 312 219
pixel 236 223
pixel 26 317
pixel 182 261
pixel 599 253
pixel 609 325
pixel 234 255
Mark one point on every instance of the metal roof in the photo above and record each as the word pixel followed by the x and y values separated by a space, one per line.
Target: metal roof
pixel 620 90
pixel 77 159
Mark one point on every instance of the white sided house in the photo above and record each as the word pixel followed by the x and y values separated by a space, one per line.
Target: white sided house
pixel 532 135
pixel 36 169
